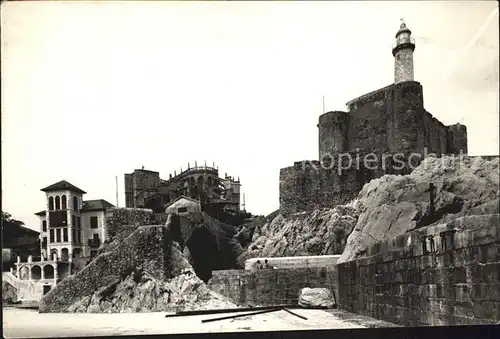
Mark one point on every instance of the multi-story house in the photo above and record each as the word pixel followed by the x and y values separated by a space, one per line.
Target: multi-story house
pixel 69 226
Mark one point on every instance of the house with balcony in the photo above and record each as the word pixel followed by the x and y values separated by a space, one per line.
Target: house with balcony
pixel 71 227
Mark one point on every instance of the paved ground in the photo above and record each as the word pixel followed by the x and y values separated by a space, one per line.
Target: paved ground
pixel 31 324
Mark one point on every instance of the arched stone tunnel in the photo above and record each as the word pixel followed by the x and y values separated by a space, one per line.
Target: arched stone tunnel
pixel 204 252
pixel 208 245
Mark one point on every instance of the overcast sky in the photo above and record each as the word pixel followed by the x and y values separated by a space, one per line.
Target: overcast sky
pixel 93 90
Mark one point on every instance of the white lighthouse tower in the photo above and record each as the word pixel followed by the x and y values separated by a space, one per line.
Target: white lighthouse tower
pixel 402 50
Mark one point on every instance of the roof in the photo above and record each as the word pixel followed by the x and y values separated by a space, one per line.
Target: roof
pixel 10 226
pixel 182 197
pixel 96 205
pixel 361 97
pixel 62 185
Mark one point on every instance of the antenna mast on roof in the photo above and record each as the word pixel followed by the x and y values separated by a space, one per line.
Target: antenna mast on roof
pixel 323 104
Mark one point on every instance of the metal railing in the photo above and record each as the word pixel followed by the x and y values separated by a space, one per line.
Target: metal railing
pixel 403 41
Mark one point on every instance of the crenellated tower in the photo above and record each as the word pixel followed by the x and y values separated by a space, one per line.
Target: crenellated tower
pixel 402 50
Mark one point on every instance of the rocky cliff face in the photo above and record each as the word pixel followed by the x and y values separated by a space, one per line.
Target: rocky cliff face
pixel 393 205
pixel 322 232
pixel 385 208
pixel 141 292
pixel 145 272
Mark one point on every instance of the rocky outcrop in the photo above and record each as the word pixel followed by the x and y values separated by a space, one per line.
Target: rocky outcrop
pixel 146 250
pixel 140 292
pixel 393 205
pixel 316 297
pixel 146 272
pixel 385 208
pixel 322 232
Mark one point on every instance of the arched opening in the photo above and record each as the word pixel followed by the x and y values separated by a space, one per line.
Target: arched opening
pixel 75 203
pixel 48 271
pixel 36 273
pixel 77 252
pixel 63 202
pixel 204 252
pixel 64 254
pixel 24 273
pixel 51 204
pixel 58 203
pixel 52 252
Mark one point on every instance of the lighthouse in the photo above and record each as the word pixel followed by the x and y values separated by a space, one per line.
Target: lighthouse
pixel 402 50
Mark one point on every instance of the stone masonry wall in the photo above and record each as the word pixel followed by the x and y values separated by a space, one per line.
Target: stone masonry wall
pixel 267 287
pixel 307 185
pixel 447 274
pixel 386 122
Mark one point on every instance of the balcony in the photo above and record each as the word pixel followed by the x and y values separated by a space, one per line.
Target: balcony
pixel 94 242
pixel 406 42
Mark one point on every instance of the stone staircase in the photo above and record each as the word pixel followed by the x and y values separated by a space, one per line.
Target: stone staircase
pixel 11 279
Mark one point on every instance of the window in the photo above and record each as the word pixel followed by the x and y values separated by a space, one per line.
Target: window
pixel 93 222
pixel 63 202
pixel 51 204
pixel 95 237
pixel 75 203
pixel 58 235
pixel 78 222
pixel 44 242
pixel 65 234
pixel 51 235
pixel 58 218
pixel 73 221
pixel 44 226
pixel 79 236
pixel 73 234
pixel 58 203
pixel 182 209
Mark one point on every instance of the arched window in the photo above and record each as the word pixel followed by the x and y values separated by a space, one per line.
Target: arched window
pixel 24 273
pixel 75 203
pixel 63 202
pixel 51 204
pixel 48 271
pixel 64 254
pixel 36 272
pixel 58 203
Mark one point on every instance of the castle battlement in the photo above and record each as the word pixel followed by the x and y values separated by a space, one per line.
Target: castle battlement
pixel 383 127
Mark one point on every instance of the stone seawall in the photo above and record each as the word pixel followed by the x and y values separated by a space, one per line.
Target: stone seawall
pixel 269 286
pixel 447 274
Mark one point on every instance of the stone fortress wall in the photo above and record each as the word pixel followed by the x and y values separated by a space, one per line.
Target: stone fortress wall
pixel 388 122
